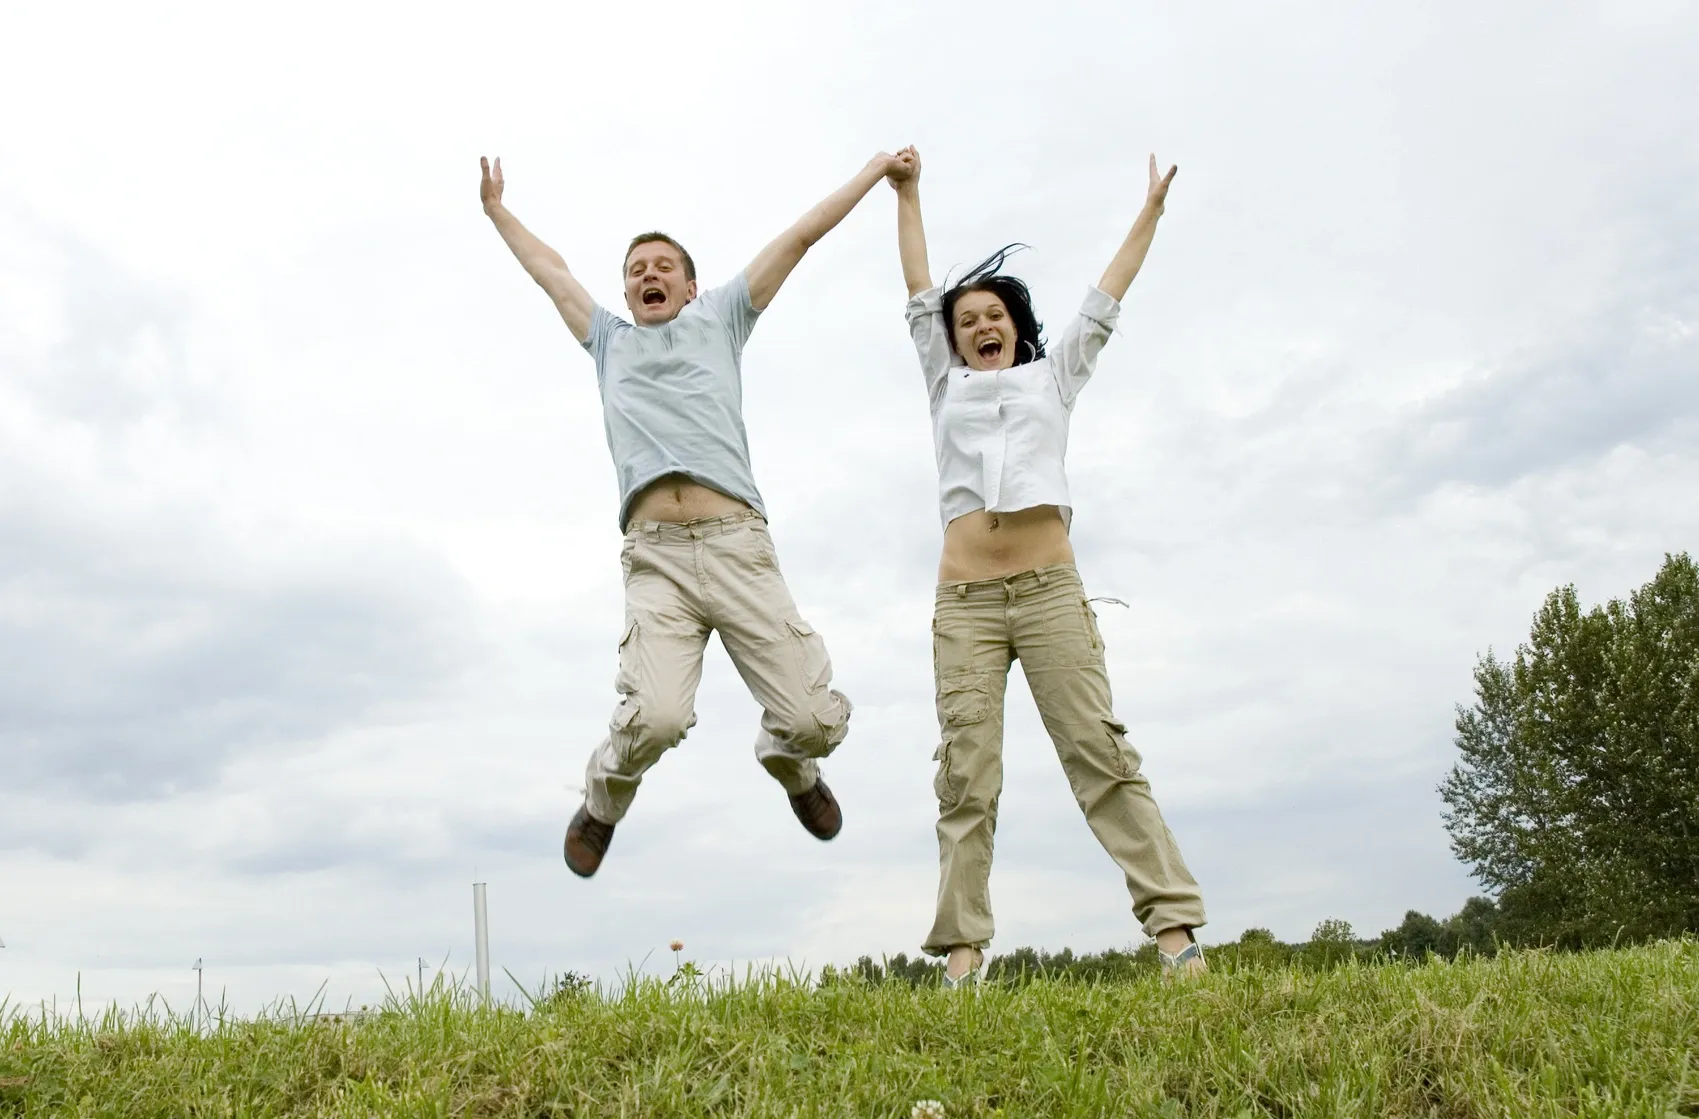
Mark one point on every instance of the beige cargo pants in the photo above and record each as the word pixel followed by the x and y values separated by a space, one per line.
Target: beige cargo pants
pixel 1042 618
pixel 683 581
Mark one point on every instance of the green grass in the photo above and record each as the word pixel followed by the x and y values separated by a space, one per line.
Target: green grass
pixel 1526 1034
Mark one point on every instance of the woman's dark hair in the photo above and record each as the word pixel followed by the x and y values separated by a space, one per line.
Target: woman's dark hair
pixel 987 276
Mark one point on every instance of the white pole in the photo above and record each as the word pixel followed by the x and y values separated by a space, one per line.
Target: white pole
pixel 481 922
pixel 194 1018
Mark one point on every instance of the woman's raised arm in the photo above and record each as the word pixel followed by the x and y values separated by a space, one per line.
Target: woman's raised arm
pixel 1118 277
pixel 911 234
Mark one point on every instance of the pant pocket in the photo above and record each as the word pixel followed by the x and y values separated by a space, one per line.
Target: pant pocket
pixel 947 785
pixel 627 680
pixel 962 702
pixel 622 735
pixel 832 721
pixel 952 641
pixel 811 653
pixel 763 556
pixel 1125 759
pixel 1094 636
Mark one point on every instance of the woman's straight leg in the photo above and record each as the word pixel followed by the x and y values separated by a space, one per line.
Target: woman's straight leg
pixel 971 656
pixel 1061 651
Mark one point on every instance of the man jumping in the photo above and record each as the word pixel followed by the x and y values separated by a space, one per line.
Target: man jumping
pixel 697 557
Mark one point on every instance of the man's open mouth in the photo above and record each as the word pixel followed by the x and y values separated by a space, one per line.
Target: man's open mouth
pixel 654 297
pixel 990 350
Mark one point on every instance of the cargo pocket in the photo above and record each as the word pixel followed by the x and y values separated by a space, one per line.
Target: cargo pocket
pixel 1125 759
pixel 832 722
pixel 962 702
pixel 622 736
pixel 626 681
pixel 947 786
pixel 811 653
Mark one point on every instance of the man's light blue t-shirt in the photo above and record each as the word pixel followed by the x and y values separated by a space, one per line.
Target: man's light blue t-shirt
pixel 672 395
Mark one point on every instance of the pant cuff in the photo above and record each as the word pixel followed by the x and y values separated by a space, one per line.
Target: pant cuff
pixel 795 775
pixel 1165 919
pixel 601 806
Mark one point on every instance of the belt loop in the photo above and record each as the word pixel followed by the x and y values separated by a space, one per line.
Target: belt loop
pixel 961 590
pixel 1042 577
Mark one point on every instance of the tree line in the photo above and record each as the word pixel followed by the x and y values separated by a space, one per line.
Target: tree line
pixel 1475 930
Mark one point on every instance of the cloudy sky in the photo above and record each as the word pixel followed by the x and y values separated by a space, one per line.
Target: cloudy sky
pixel 309 583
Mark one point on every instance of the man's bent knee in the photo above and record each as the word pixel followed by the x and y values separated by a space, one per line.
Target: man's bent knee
pixel 643 730
pixel 815 731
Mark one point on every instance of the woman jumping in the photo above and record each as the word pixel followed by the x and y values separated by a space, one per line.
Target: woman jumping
pixel 1008 589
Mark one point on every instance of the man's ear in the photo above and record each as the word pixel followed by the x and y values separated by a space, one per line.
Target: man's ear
pixel 690 291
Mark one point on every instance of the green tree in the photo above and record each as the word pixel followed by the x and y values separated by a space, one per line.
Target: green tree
pixel 1331 944
pixel 1473 929
pixel 1576 797
pixel 1257 948
pixel 1417 938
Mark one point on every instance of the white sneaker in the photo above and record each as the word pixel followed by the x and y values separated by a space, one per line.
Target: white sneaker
pixel 971 978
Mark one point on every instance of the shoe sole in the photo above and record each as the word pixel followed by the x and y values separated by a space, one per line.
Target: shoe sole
pixel 566 852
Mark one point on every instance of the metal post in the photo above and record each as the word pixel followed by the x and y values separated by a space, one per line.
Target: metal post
pixel 421 977
pixel 481 922
pixel 194 1018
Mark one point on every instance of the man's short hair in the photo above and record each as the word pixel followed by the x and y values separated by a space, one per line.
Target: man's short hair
pixel 657 235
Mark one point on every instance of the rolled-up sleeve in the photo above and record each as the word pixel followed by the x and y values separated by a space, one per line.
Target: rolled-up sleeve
pixel 925 313
pixel 1074 357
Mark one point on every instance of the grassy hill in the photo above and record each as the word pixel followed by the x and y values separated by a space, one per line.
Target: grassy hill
pixel 1525 1034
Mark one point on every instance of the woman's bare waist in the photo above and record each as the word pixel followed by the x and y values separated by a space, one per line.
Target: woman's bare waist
pixel 987 545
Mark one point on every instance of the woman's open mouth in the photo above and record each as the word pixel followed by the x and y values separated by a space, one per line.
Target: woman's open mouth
pixel 990 350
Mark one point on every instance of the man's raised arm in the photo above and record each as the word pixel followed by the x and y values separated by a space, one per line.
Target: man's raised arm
pixel 543 263
pixel 774 263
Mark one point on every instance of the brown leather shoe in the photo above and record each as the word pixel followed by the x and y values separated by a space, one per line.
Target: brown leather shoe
pixel 587 840
pixel 818 810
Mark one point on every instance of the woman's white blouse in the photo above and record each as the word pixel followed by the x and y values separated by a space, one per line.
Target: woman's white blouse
pixel 1001 435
